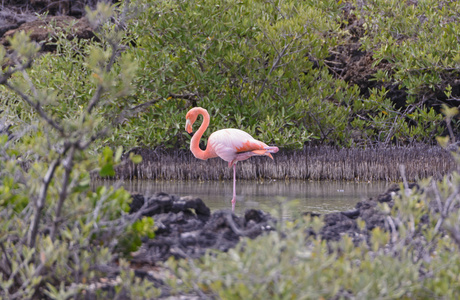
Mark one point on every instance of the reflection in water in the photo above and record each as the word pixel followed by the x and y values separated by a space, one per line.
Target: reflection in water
pixel 319 197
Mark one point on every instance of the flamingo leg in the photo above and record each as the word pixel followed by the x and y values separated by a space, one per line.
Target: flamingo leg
pixel 234 189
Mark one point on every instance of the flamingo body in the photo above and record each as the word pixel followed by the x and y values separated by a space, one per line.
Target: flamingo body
pixel 231 145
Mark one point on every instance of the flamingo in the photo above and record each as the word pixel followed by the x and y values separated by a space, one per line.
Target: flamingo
pixel 232 145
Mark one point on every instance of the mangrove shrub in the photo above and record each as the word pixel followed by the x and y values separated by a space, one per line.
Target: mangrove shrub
pixel 59 236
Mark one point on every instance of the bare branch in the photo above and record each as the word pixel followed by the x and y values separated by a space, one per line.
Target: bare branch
pixel 95 99
pixel 7 260
pixel 68 165
pixel 449 202
pixel 40 202
pixel 394 232
pixel 133 110
pixel 443 208
pixel 184 96
pixel 116 50
pixel 137 108
pixel 402 169
pixel 4 78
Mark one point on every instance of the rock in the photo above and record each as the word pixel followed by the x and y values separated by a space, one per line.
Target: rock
pixel 44 31
pixel 11 19
pixel 345 223
pixel 62 7
pixel 336 225
pixel 184 233
pixel 161 203
pixel 187 229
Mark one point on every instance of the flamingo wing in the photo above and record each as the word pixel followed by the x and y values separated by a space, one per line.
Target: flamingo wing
pixel 234 145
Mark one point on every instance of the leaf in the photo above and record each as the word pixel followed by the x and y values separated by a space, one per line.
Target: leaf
pixel 118 153
pixel 135 158
pixel 449 112
pixel 443 141
pixel 3 139
pixel 107 153
pixel 107 170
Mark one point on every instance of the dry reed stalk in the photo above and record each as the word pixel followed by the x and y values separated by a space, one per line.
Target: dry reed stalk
pixel 314 163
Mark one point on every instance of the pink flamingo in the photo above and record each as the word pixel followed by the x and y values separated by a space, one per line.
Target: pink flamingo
pixel 232 145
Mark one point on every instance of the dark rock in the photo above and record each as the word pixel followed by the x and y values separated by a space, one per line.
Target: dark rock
pixel 136 202
pixel 161 203
pixel 311 214
pixel 336 225
pixel 11 19
pixel 352 214
pixel 345 223
pixel 44 31
pixel 185 228
pixel 184 233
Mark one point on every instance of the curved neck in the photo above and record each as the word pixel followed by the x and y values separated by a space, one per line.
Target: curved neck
pixel 195 142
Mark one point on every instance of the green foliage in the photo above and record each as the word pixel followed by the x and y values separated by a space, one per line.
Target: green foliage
pixel 59 236
pixel 135 158
pixel 131 239
pixel 249 63
pixel 418 40
pixel 107 161
pixel 85 238
pixel 263 67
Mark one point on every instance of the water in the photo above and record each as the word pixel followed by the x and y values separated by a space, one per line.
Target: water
pixel 303 196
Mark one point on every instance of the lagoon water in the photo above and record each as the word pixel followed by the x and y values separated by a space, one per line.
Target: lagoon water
pixel 300 196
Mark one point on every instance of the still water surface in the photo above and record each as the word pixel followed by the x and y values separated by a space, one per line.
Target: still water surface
pixel 319 197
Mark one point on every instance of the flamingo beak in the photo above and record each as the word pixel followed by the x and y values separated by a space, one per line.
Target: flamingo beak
pixel 188 127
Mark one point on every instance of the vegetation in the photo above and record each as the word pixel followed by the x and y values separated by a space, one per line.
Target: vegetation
pixel 272 68
pixel 296 72
pixel 291 73
pixel 57 236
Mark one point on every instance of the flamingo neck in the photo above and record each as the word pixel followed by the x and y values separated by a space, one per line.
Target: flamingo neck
pixel 195 142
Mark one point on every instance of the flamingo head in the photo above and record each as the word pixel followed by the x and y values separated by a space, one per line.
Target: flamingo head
pixel 191 117
pixel 189 123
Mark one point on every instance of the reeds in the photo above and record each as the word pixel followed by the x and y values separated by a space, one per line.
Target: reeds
pixel 314 163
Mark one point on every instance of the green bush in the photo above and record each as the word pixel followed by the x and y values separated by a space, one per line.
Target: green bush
pixel 264 67
pixel 267 68
pixel 419 40
pixel 59 237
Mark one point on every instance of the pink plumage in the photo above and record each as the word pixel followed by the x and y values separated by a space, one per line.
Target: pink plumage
pixel 232 145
